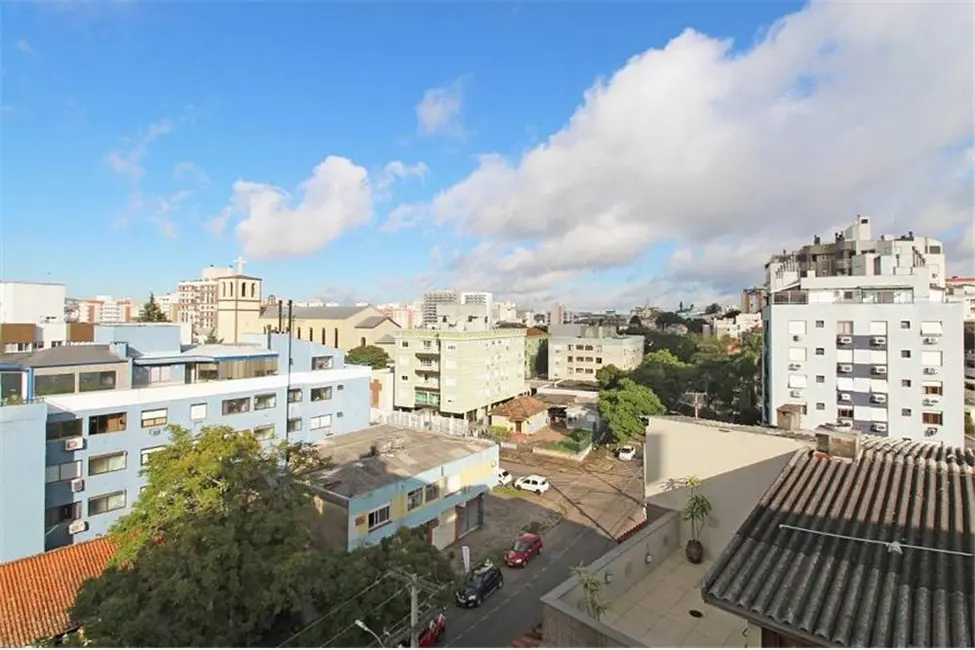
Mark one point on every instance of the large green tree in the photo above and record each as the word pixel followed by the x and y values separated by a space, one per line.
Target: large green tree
pixel 151 313
pixel 624 408
pixel 368 355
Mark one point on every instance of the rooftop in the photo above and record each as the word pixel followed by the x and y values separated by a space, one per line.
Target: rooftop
pixel 206 352
pixel 38 591
pixel 452 334
pixel 315 313
pixel 876 549
pixel 371 322
pixel 65 355
pixel 382 455
pixel 520 408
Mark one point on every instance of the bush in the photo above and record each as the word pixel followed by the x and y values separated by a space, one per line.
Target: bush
pixel 499 432
pixel 574 442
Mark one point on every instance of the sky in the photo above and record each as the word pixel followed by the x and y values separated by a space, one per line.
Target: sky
pixel 598 154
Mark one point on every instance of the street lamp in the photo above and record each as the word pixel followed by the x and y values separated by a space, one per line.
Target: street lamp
pixel 363 626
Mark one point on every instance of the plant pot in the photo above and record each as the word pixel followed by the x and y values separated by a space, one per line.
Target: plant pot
pixel 694 551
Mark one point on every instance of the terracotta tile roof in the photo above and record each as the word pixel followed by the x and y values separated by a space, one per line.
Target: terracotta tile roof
pixel 520 408
pixel 37 592
pixel 534 331
pixel 876 551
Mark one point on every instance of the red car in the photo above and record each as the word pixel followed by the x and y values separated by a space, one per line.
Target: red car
pixel 527 546
pixel 430 636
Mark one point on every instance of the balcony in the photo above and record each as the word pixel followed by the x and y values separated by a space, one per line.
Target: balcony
pixel 428 366
pixel 425 398
pixel 431 383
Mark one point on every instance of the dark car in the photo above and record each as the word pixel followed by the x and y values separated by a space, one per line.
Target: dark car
pixel 480 583
pixel 527 546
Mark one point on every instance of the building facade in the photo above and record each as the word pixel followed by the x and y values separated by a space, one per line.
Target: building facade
pixel 71 458
pixel 389 478
pixel 433 298
pixel 238 306
pixel 882 355
pixel 405 316
pixel 343 328
pixel 462 374
pixel 106 309
pixel 579 351
pixel 198 300
pixel 33 317
pixel 753 300
pixel 963 290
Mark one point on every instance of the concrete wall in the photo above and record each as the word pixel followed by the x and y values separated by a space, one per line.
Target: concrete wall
pixel 22 480
pixel 735 466
pixel 142 338
pixel 565 620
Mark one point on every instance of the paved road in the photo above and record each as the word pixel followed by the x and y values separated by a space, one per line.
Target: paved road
pixel 515 609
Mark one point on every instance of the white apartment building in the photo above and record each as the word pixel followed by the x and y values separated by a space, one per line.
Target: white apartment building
pixel 505 312
pixel 458 373
pixel 482 298
pixel 169 304
pixel 462 318
pixel 198 299
pixel 970 379
pixel 963 290
pixel 734 327
pixel 106 310
pixel 577 352
pixel 32 302
pixel 881 354
pixel 433 298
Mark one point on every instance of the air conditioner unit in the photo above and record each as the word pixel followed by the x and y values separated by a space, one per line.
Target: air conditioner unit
pixel 795 366
pixel 796 338
pixel 879 427
pixel 878 399
pixel 931 431
pixel 76 527
pixel 932 401
pixel 74 444
pixel 879 370
pixel 77 485
pixel 846 368
pixel 845 397
pixel 878 340
pixel 930 371
pixel 844 340
pixel 844 423
pixel 795 393
pixel 929 340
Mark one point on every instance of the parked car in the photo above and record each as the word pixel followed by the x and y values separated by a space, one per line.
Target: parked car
pixel 481 582
pixel 431 635
pixel 504 477
pixel 533 483
pixel 527 546
pixel 626 452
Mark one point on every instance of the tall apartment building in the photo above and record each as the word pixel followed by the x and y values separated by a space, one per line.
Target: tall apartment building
pixel 753 300
pixel 80 421
pixel 32 317
pixel 505 312
pixel 458 373
pixel 468 317
pixel 198 299
pixel 433 298
pixel 106 309
pixel 882 354
pixel 168 304
pixel 557 315
pixel 577 352
pixel 483 298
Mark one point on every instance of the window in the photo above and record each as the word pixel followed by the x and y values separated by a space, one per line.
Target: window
pixel 820 324
pixel 905 354
pixel 906 413
pixel 106 503
pixel 155 418
pixel 797 381
pixel 340 414
pixel 235 406
pixel 404 344
pixel 340 387
pixel 432 492
pixel 319 422
pixel 62 514
pixel 932 328
pixel 106 464
pixel 294 395
pixel 322 363
pixel 198 412
pixel 262 402
pixel 932 418
pixel 820 406
pixel 321 394
pixel 414 499
pixel 264 432
pixel 905 325
pixel 111 423
pixel 92 381
pixel 844 327
pixel 379 517
pixel 905 383
pixel 53 384
pixel 160 374
pixel 820 379
pixel 844 413
pixel 929 358
pixel 404 378
pixel 820 352
pixel 59 430
pixel 451 347
pixel 599 359
pixel 933 388
pixel 147 452
pixel 62 472
pixel 294 424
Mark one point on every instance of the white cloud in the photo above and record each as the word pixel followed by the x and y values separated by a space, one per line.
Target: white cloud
pixel 190 171
pixel 336 198
pixel 128 161
pixel 24 46
pixel 404 216
pixel 840 108
pixel 440 110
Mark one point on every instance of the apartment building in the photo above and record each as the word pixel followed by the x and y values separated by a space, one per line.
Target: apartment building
pixel 468 317
pixel 733 327
pixel 962 289
pixel 87 417
pixel 387 478
pixel 198 299
pixel 32 317
pixel 106 309
pixel 557 315
pixel 433 298
pixel 458 373
pixel 881 354
pixel 753 300
pixel 578 351
pixel 168 304
pixel 505 312
pixel 484 299
pixel 405 316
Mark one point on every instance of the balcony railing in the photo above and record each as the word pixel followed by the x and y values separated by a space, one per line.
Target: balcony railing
pixel 426 399
pixel 848 296
pixel 428 367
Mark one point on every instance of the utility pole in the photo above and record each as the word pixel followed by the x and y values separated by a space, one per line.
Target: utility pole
pixel 414 609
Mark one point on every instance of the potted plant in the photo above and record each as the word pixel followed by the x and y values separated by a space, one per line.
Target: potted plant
pixel 697 508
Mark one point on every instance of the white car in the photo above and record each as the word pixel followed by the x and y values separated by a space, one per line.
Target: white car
pixel 504 477
pixel 626 452
pixel 533 483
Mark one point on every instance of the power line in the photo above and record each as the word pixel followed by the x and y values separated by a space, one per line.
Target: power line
pixel 892 547
pixel 362 618
pixel 329 613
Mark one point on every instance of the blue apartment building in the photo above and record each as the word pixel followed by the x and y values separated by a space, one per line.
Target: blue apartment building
pixel 78 422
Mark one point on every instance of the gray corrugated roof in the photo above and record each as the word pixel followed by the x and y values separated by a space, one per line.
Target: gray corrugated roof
pixel 830 586
pixel 65 355
pixel 370 322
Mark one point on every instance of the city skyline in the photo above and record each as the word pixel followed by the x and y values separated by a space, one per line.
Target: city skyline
pixel 473 170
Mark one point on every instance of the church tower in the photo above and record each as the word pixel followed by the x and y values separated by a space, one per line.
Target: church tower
pixel 238 305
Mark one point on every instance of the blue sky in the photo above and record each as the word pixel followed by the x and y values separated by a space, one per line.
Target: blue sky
pixel 113 110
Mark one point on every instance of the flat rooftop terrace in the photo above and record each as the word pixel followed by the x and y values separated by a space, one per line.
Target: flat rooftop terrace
pixel 381 455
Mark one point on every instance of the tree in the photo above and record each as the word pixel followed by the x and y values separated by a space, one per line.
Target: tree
pixel 635 321
pixel 609 376
pixel 624 408
pixel 667 318
pixel 713 309
pixel 540 363
pixel 211 338
pixel 151 313
pixel 368 355
pixel 969 425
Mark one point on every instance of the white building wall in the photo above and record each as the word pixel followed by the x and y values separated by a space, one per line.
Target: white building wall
pixel 32 302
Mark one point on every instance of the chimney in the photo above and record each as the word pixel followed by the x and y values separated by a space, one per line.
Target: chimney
pixel 838 444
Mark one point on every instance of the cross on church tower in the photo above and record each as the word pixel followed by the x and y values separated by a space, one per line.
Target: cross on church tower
pixel 240 265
